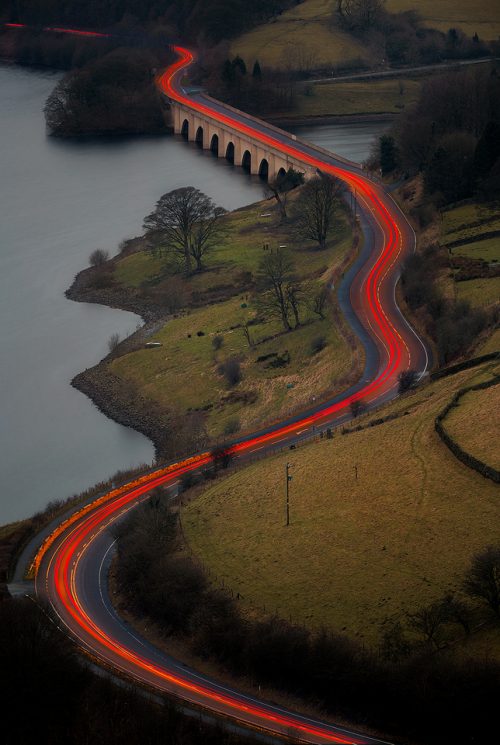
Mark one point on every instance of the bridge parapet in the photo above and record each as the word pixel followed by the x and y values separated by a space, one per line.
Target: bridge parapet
pixel 238 147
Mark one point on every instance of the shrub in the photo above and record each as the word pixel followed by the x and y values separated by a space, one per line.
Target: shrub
pixel 98 257
pixel 113 342
pixel 231 370
pixel 317 344
pixel 407 379
pixel 217 341
pixel 483 578
pixel 232 426
pixel 357 407
pixel 100 280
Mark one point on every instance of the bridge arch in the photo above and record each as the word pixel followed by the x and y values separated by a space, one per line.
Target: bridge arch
pixel 214 144
pixel 199 137
pixel 230 152
pixel 281 173
pixel 185 129
pixel 246 161
pixel 264 169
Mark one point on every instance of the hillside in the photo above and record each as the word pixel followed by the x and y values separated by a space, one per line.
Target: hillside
pixel 383 520
pixel 482 17
pixel 306 37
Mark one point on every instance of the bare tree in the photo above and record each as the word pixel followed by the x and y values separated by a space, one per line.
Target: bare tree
pixel 456 611
pixel 113 341
pixel 318 300
pixel 186 223
pixel 98 257
pixel 394 645
pixel 483 578
pixel 295 298
pixel 246 333
pixel 427 621
pixel 360 15
pixel 275 274
pixel 317 207
pixel 280 187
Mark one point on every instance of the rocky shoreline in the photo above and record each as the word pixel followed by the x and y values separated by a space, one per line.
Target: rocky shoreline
pixel 114 398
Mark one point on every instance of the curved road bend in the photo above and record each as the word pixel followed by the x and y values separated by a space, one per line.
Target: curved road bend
pixel 72 565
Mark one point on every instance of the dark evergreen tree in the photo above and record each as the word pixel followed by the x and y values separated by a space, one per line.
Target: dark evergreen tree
pixel 388 154
pixel 487 150
pixel 257 72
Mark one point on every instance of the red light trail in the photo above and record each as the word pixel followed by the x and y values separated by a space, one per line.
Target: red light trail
pixel 59 567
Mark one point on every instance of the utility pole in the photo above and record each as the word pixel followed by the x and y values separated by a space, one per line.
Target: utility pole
pixel 288 479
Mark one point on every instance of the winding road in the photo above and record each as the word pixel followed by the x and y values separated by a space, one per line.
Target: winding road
pixel 71 567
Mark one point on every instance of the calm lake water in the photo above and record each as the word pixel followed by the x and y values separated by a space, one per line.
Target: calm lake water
pixel 352 141
pixel 58 202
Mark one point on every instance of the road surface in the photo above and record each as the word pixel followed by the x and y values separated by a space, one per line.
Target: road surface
pixel 72 564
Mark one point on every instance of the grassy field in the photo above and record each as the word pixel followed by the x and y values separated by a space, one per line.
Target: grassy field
pixel 492 344
pixel 305 33
pixel 358 550
pixel 364 97
pixel 470 223
pixel 475 424
pixel 479 292
pixel 301 36
pixel 482 16
pixel 266 391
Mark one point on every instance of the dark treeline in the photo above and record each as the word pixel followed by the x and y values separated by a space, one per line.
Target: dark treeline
pixel 256 89
pixel 425 697
pixel 451 135
pixel 451 139
pixel 59 51
pixel 50 696
pixel 402 37
pixel 213 19
pixel 453 325
pixel 113 94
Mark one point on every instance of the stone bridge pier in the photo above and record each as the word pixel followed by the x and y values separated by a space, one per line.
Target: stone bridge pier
pixel 238 148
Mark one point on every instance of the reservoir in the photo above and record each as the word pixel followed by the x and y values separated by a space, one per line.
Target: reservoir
pixel 60 200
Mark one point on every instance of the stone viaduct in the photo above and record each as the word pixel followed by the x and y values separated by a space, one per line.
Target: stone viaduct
pixel 236 147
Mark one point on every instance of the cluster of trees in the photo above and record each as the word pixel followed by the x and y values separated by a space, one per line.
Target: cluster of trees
pixel 401 37
pixel 69 703
pixel 434 622
pixel 186 225
pixel 454 700
pixel 60 51
pixel 282 295
pixel 214 19
pixel 255 90
pixel 453 325
pixel 451 135
pixel 113 94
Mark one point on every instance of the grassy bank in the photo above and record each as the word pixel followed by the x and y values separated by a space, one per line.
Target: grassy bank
pixel 482 17
pixel 301 36
pixel 280 370
pixel 356 98
pixel 359 550
pixel 306 36
pixel 471 233
pixel 474 424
